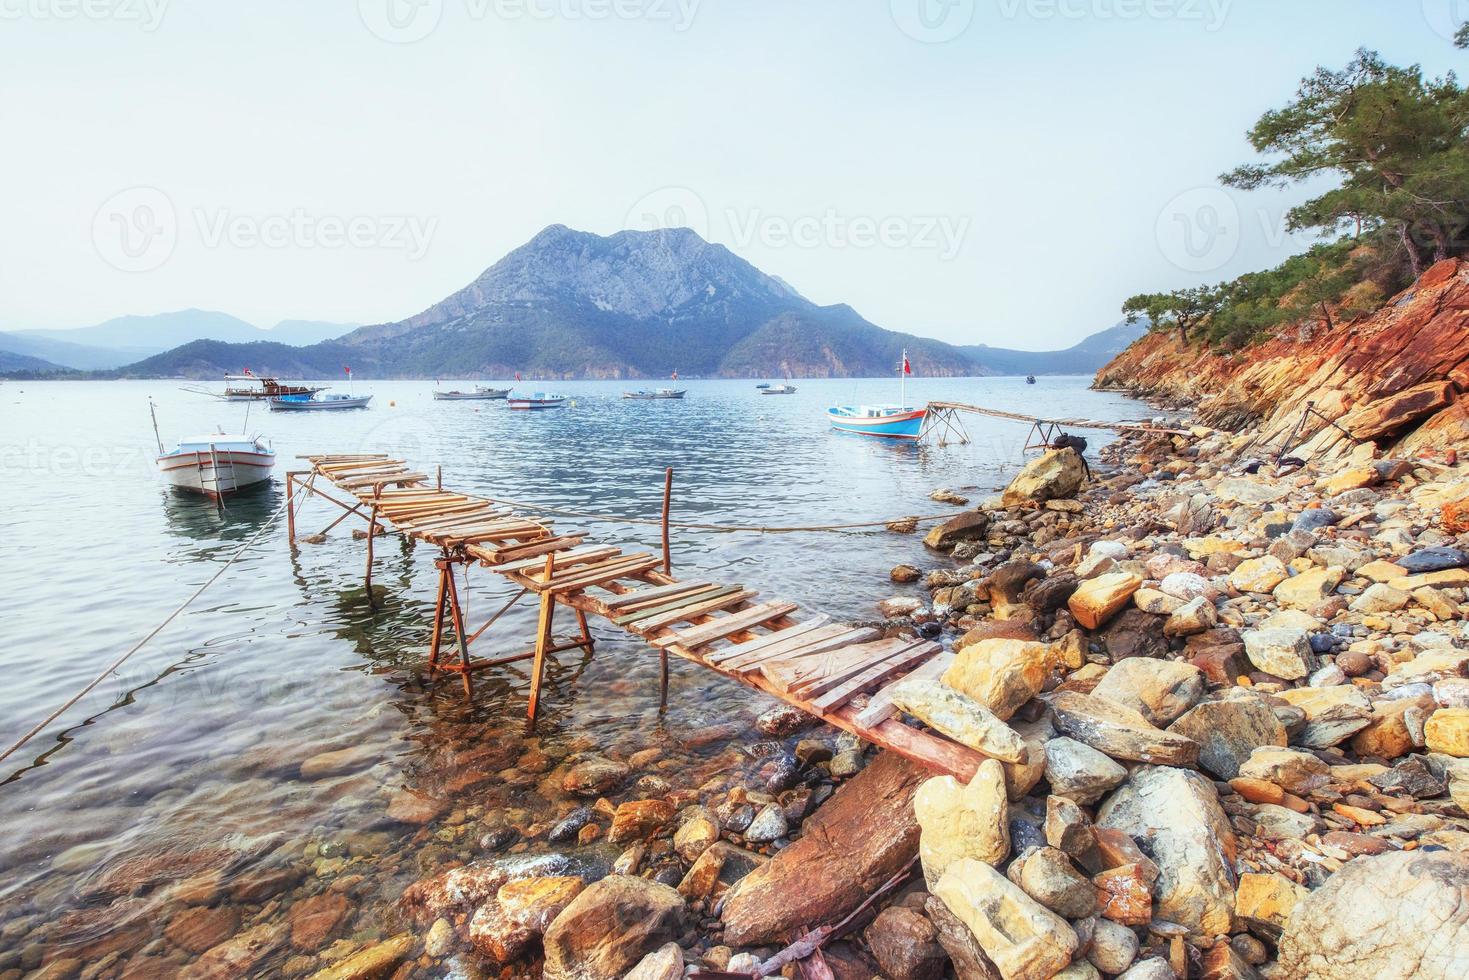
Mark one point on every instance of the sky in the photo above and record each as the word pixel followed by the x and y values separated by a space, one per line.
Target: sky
pixel 980 171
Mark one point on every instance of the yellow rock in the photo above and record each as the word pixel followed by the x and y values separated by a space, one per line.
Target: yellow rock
pixel 1308 588
pixel 1447 731
pixel 1449 578
pixel 1001 674
pixel 1101 598
pixel 1267 899
pixel 374 961
pixel 1353 479
pixel 1382 570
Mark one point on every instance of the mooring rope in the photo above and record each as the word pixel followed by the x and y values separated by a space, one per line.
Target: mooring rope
pixel 686 525
pixel 45 722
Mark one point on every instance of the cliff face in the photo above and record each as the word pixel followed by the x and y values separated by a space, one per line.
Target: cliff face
pixel 1396 378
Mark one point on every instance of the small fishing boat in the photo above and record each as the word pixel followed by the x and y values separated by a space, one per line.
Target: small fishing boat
pixel 779 390
pixel 323 403
pixel 249 387
pixel 643 394
pixel 898 421
pixel 214 465
pixel 763 385
pixel 536 400
pixel 1030 379
pixel 480 393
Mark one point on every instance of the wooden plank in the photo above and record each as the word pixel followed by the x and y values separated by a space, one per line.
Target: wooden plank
pixel 769 640
pixel 899 657
pixel 678 602
pixel 563 542
pixel 697 636
pixel 493 532
pixel 816 641
pixel 641 596
pixel 604 574
pixel 570 557
pixel 338 469
pixel 463 518
pixel 791 676
pixel 428 512
pixel 691 612
pixel 619 558
pixel 880 707
pixel 367 481
pixel 344 479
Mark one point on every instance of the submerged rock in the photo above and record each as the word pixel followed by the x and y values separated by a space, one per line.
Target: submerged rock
pixel 610 927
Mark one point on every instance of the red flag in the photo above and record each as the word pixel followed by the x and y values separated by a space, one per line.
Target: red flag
pixel 907 368
pixel 248 374
pixel 517 375
pixel 346 369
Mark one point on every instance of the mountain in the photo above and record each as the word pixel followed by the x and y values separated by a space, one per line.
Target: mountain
pixel 1083 358
pixel 12 362
pixel 125 339
pixel 575 304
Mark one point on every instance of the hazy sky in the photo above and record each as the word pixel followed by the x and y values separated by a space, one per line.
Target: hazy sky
pixel 982 171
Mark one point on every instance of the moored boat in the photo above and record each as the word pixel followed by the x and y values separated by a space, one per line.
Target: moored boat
pixel 643 394
pixel 325 403
pixel 536 400
pixel 480 393
pixel 890 421
pixel 779 390
pixel 249 387
pixel 1030 379
pixel 215 464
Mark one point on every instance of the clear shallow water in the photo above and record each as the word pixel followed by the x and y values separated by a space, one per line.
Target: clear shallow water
pixel 197 742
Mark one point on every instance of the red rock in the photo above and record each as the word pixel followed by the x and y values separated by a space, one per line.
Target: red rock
pixel 313 920
pixel 198 929
pixel 1125 894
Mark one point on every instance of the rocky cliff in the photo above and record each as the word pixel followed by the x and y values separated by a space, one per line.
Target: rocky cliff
pixel 1396 378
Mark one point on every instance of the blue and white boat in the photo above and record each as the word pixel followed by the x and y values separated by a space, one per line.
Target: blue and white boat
pixel 318 403
pixel 898 421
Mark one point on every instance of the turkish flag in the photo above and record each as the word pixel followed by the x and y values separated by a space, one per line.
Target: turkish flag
pixel 907 368
pixel 346 369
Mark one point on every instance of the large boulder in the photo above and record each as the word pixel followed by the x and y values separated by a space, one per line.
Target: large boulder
pixel 1119 732
pixel 1159 690
pixel 958 716
pixel 1397 411
pixel 968 526
pixel 1056 474
pixel 1395 916
pixel 1229 729
pixel 1023 938
pixel 610 927
pixel 1175 815
pixel 1000 674
pixel 1099 599
pixel 961 821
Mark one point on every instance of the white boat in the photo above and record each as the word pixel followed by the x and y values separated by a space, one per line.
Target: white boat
pixel 643 394
pixel 216 464
pixel 303 403
pixel 480 393
pixel 249 387
pixel 537 400
pixel 779 390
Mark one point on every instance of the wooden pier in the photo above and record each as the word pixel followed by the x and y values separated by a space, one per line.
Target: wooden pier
pixel 840 674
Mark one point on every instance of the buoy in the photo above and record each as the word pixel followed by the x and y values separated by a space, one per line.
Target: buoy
pixel 392 404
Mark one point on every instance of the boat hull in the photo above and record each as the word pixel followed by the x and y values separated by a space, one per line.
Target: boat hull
pixel 469 396
pixel 329 405
pixel 902 425
pixel 533 404
pixel 216 474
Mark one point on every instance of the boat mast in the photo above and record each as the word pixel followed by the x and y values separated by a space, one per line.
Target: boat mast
pixel 903 381
pixel 156 437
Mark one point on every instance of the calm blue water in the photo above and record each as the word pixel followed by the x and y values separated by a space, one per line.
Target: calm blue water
pixel 198 737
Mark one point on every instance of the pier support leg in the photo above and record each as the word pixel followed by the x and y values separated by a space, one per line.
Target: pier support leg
pixel 367 576
pixel 460 634
pixel 667 508
pixel 543 641
pixel 587 643
pixel 291 508
pixel 438 634
pixel 662 681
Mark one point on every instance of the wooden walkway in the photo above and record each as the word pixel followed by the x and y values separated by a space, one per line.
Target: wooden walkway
pixel 838 673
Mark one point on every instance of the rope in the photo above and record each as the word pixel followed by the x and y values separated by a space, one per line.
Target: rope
pixel 562 511
pixel 41 726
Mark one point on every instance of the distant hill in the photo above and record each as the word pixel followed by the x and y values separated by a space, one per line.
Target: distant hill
pixel 125 339
pixel 636 304
pixel 11 362
pixel 1084 358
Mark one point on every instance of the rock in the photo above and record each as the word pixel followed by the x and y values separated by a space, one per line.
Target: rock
pixel 1401 914
pixel 1292 770
pixel 407 806
pixel 638 818
pixel 1097 600
pixel 1126 893
pixel 1285 653
pixel 1000 674
pixel 1308 588
pixel 1391 413
pixel 903 574
pixel 697 830
pixel 1313 519
pixel 1447 731
pixel 769 824
pixel 969 526
pixel 197 929
pixel 701 877
pixel 1113 947
pixel 959 717
pixel 966 955
pixel 1055 474
pixel 1260 575
pixel 1251 491
pixel 853 844
pixel 1023 939
pixel 1134 633
pixel 238 955
pixel 1153 968
pixel 1198 615
pixel 664 963
pixel 1356 478
pixel 610 927
pixel 1433 560
pixel 899 606
pixel 1068 828
pixel 1155 602
pixel 503 929
pixel 1118 731
pixel 1186 586
pixel 1079 772
pixel 1380 598
pixel 568 827
pixel 1050 594
pixel 905 945
pixel 1177 813
pixel 1265 902
pixel 961 821
pixel 1047 876
pixel 595 777
pixel 783 720
pixel 1159 690
pixel 375 961
pixel 946 496
pixel 314 919
pixel 340 762
pixel 1333 714
pixel 1229 729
